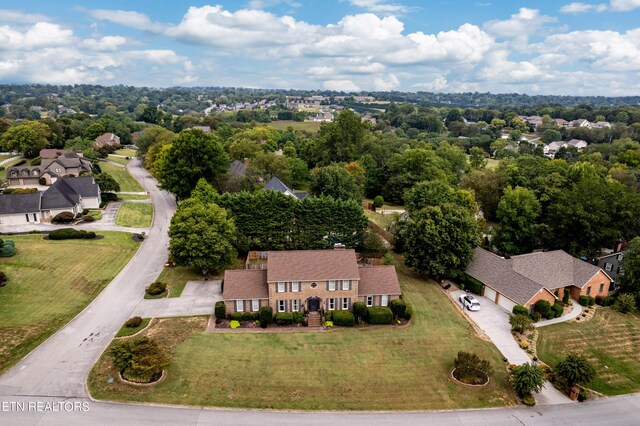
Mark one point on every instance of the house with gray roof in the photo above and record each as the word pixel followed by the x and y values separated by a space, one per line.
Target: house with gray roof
pixel 55 163
pixel 276 184
pixel 527 278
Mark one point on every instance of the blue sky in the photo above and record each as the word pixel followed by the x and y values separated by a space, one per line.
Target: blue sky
pixel 541 47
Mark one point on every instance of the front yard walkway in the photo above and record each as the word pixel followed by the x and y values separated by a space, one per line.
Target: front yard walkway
pixel 493 320
pixel 575 312
pixel 198 298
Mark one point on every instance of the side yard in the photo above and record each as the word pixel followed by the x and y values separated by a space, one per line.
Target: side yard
pixel 610 341
pixel 135 215
pixel 372 368
pixel 122 176
pixel 50 282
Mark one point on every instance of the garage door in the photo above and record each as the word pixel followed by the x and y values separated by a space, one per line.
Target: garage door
pixel 506 303
pixel 490 293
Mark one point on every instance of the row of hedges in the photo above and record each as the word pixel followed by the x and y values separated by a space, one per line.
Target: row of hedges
pixel 71 234
pixel 246 316
pixel 283 318
pixel 605 301
pixel 586 300
pixel 471 284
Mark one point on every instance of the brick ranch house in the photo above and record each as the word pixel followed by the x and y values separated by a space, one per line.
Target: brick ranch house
pixel 307 281
pixel 527 278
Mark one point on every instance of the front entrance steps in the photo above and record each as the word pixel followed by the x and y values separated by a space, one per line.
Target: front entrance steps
pixel 314 319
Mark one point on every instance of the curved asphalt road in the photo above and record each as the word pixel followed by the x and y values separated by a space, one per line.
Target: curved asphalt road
pixel 55 372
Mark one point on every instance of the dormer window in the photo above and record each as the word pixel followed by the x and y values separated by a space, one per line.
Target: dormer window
pixel 35 172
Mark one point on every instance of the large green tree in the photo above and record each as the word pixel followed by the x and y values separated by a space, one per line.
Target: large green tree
pixel 107 183
pixel 630 281
pixel 438 192
pixel 487 186
pixel 193 155
pixel 202 236
pixel 574 370
pixel 28 138
pixel 517 212
pixel 341 140
pixel 335 181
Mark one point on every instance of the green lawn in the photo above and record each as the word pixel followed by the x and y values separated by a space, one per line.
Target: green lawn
pixel 383 368
pixel 610 340
pixel 492 163
pixel 128 331
pixel 127 152
pixel 309 126
pixel 176 278
pixel 119 160
pixel 96 214
pixel 133 197
pixel 3 173
pixel 135 215
pixel 122 176
pixel 50 282
pixel 383 220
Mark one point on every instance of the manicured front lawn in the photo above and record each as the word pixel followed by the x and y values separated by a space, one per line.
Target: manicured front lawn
pixel 133 197
pixel 610 340
pixel 50 282
pixel 96 214
pixel 176 278
pixel 119 160
pixel 126 152
pixel 129 331
pixel 383 368
pixel 135 215
pixel 122 176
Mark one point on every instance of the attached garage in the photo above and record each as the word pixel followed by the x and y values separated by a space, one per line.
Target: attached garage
pixel 506 303
pixel 490 293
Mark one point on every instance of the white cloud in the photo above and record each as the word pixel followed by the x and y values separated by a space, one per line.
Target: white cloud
pixel 107 43
pixel 614 5
pixel 264 4
pixel 39 35
pixel 577 7
pixel 127 18
pixel 386 83
pixel 341 85
pixel 438 84
pixel 519 26
pixel 380 6
pixel 624 5
pixel 158 56
pixel 18 16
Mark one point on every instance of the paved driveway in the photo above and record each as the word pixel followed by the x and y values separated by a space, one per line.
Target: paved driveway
pixel 493 320
pixel 197 298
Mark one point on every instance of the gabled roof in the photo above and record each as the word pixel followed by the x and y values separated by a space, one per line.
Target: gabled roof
pixel 238 168
pixel 51 153
pixel 378 280
pixel 312 265
pixel 60 195
pixel 245 284
pixel 20 203
pixel 86 186
pixel 554 269
pixel 276 184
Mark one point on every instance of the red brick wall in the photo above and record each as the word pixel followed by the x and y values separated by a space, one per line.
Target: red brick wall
pixel 595 283
pixel 542 295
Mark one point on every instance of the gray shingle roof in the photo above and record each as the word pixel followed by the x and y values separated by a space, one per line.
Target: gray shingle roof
pixel 554 269
pixel 86 186
pixel 238 168
pixel 276 184
pixel 378 280
pixel 20 203
pixel 60 195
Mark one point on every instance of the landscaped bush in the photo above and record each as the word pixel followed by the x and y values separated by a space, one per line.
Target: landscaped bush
pixel 133 322
pixel 359 310
pixel 237 316
pixel 574 370
pixel 609 300
pixel 71 234
pixel 220 310
pixel 88 218
pixel 471 369
pixel 297 317
pixel 625 303
pixel 328 316
pixel 520 323
pixel 64 217
pixel 344 318
pixel 3 279
pixel 398 307
pixel 378 201
pixel 527 378
pixel 551 314
pixel 7 248
pixel 586 301
pixel 85 211
pixel 139 360
pixel 565 297
pixel 409 312
pixel 558 308
pixel 156 288
pixel 283 318
pixel 246 316
pixel 520 310
pixel 379 315
pixel 266 316
pixel 543 308
pixel 471 284
pixel 535 317
pixel 255 316
pixel 108 196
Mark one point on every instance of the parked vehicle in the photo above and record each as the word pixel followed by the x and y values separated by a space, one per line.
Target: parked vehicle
pixel 469 302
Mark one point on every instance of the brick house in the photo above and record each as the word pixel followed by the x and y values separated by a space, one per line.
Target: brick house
pixel 527 278
pixel 307 281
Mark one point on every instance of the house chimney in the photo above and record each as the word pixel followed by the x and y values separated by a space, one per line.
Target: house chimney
pixel 246 162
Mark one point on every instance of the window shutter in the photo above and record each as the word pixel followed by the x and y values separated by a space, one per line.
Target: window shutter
pixel 349 303
pixel 327 285
pixel 290 286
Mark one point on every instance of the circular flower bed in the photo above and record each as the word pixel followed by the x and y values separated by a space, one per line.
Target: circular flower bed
pixel 470 376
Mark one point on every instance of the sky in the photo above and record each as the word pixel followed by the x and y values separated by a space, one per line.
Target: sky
pixel 535 47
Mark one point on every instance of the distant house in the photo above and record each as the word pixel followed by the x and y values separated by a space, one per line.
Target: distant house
pixel 205 129
pixel 107 140
pixel 601 125
pixel 72 194
pixel 55 163
pixel 276 184
pixel 527 278
pixel 561 122
pixel 581 122
pixel 323 117
pixel 577 143
pixel 239 168
pixel 135 136
pixel 552 148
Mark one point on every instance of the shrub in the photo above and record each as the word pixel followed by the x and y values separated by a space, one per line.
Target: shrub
pixel 520 323
pixel 85 211
pixel 600 300
pixel 139 360
pixel 79 215
pixel 237 316
pixel 469 368
pixel 283 318
pixel 574 370
pixel 586 300
pixel 359 310
pixel 297 318
pixel 266 316
pixel 543 307
pixel 535 317
pixel 529 400
pixel 565 297
pixel 220 309
pixel 246 316
pixel 255 316
pixel 88 218
pixel 609 300
pixel 42 181
pixel 328 316
pixel 156 288
pixel 234 324
pixel 551 314
pixel 527 378
pixel 558 308
pixel 625 303
pixel 378 201
pixel 409 312
pixel 398 307
pixel 387 259
pixel 472 285
pixel 71 234
pixel 133 322
pixel 3 279
pixel 379 315
pixel 328 324
pixel 8 249
pixel 108 196
pixel 344 318
pixel 64 217
pixel 520 310
pixel 524 345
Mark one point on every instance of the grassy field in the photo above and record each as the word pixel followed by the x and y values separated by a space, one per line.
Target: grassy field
pixel 128 331
pixel 119 160
pixel 383 220
pixel 176 278
pixel 383 368
pixel 135 215
pixel 127 152
pixel 50 282
pixel 133 197
pixel 492 163
pixel 309 126
pixel 610 340
pixel 122 176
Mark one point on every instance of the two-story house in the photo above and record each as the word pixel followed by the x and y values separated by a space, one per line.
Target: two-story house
pixel 55 164
pixel 307 281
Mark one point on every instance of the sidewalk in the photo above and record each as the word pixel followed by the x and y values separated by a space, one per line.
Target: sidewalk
pixel 577 310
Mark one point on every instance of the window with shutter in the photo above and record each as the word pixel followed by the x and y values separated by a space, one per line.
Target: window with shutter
pixel 369 300
pixel 332 285
pixel 295 305
pixel 332 304
pixel 346 285
pixel 295 286
pixel 255 305
pixel 281 287
pixel 345 303
pixel 282 305
pixel 239 305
